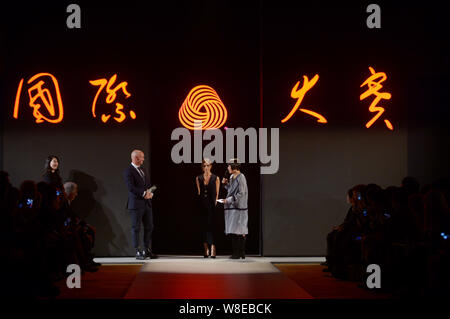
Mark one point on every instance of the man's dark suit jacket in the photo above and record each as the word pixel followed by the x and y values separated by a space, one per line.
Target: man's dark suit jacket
pixel 136 187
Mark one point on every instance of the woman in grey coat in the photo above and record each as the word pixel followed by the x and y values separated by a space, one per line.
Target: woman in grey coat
pixel 235 208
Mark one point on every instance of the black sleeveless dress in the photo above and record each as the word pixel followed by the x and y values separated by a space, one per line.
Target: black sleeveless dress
pixel 207 203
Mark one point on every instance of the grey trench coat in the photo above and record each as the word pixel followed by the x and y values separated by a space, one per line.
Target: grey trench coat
pixel 235 208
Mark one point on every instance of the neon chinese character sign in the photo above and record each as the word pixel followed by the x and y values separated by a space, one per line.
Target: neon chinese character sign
pixel 202 105
pixel 201 110
pixel 374 86
pixel 111 97
pixel 44 97
pixel 299 94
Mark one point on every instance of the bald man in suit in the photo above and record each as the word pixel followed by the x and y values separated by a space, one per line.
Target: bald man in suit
pixel 139 205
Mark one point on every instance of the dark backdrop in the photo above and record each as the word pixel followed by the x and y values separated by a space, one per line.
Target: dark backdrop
pixel 212 43
pixel 162 51
pixel 251 53
pixel 320 162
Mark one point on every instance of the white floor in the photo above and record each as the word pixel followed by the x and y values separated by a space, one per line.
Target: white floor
pixel 171 258
pixel 220 266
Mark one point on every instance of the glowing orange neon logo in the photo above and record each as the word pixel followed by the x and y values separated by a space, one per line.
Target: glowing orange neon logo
pixel 37 95
pixel 111 97
pixel 373 88
pixel 202 109
pixel 299 94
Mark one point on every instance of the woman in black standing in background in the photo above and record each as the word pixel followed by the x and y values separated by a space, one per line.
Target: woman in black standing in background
pixel 51 173
pixel 208 191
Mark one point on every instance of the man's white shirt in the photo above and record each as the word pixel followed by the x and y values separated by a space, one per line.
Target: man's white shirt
pixel 140 174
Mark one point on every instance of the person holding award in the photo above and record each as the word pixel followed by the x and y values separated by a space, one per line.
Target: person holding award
pixel 235 208
pixel 139 205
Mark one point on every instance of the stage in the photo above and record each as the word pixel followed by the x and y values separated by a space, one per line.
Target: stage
pixel 176 259
pixel 194 277
pixel 186 277
pixel 181 277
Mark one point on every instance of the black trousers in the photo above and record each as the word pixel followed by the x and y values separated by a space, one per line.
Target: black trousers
pixel 139 217
pixel 207 220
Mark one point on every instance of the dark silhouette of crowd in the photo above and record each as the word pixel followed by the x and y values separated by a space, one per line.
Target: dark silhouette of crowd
pixel 41 235
pixel 402 229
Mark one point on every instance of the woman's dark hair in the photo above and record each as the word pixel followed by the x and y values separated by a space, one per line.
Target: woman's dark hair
pixel 47 168
pixel 235 164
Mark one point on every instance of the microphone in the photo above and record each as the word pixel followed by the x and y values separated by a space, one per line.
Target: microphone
pixel 227 174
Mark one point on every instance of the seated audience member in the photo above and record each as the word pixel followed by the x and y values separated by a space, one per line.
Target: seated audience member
pixel 437 229
pixel 85 231
pixel 403 229
pixel 54 241
pixel 12 250
pixel 9 197
pixel 374 242
pixel 347 246
pixel 331 238
pixel 29 245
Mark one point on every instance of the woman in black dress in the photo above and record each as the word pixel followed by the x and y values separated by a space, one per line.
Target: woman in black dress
pixel 208 191
pixel 51 173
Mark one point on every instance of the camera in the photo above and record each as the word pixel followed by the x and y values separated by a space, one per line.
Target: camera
pixel 29 203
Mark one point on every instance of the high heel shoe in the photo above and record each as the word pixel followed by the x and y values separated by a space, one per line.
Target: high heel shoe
pixel 213 251
pixel 205 251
